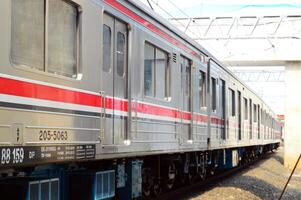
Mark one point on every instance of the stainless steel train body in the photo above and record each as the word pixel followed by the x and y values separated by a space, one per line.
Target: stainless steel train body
pixel 95 79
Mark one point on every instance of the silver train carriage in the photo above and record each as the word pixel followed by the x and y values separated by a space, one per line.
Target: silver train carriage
pixel 84 80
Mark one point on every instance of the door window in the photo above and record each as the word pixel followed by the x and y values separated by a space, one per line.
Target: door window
pixel 120 54
pixel 107 48
pixel 202 89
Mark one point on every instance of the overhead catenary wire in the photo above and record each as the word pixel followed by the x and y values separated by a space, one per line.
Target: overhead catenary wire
pixel 150 5
pixel 171 16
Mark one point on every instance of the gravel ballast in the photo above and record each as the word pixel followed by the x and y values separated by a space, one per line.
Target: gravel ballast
pixel 263 180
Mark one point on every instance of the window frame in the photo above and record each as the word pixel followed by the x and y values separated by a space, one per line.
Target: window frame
pixel 187 89
pixel 214 86
pixel 167 81
pixel 124 54
pixel 232 102
pixel 255 114
pixel 246 111
pixel 202 91
pixel 153 85
pixel 109 70
pixel 78 75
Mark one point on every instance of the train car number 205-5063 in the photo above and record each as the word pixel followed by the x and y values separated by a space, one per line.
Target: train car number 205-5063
pixel 53 135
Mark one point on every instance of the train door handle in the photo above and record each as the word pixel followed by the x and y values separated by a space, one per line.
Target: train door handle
pixel 103 103
pixel 102 114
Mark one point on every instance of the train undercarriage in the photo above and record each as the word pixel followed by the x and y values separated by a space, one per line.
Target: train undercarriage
pixel 129 178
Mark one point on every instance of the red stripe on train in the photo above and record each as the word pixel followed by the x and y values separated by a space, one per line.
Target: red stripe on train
pixel 49 93
pixel 31 90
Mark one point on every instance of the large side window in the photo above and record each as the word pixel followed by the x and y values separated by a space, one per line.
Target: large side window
pixel 156 72
pixel 232 102
pixel 213 94
pixel 62 38
pixel 53 45
pixel 28 45
pixel 202 89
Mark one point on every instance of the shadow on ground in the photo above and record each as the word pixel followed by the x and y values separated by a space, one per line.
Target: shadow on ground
pixel 279 159
pixel 262 189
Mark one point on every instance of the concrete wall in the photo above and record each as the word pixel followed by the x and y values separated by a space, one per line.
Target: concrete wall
pixel 292 139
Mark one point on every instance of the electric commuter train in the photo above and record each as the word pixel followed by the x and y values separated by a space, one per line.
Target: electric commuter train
pixel 104 99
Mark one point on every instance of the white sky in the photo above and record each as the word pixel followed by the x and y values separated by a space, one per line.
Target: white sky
pixel 273 92
pixel 228 7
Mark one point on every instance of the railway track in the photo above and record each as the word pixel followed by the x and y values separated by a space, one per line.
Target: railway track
pixel 183 192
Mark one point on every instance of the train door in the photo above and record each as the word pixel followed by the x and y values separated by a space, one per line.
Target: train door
pixel 213 109
pixel 186 98
pixel 239 114
pixel 250 120
pixel 259 120
pixel 214 115
pixel 223 110
pixel 114 80
pixel 265 124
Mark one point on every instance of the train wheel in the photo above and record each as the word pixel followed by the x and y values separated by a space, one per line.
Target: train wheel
pixel 147 182
pixel 192 175
pixel 203 175
pixel 157 189
pixel 170 175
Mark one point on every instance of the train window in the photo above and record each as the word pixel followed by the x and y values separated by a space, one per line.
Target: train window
pixel 186 81
pixel 156 72
pixel 202 89
pixel 28 45
pixel 254 113
pixel 149 70
pixel 213 94
pixel 245 108
pixel 52 46
pixel 266 119
pixel 120 54
pixel 62 38
pixel 161 73
pixel 167 80
pixel 107 48
pixel 186 75
pixel 250 117
pixel 232 102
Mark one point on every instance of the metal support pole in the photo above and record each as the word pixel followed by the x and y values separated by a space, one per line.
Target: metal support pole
pixel 289 178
